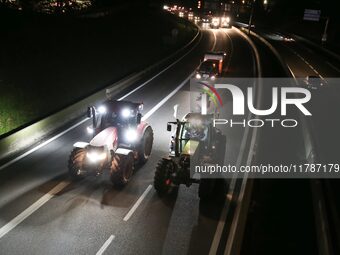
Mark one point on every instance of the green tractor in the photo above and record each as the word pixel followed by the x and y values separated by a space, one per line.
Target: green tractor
pixel 195 141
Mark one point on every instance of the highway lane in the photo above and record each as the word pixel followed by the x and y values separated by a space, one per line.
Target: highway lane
pixel 281 212
pixel 85 214
pixel 184 226
pixel 303 61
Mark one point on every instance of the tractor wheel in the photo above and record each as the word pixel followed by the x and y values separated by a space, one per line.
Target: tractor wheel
pixel 75 163
pixel 145 146
pixel 122 167
pixel 162 180
pixel 206 189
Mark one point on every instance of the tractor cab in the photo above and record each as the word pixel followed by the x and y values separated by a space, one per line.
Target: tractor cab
pixel 120 114
pixel 193 132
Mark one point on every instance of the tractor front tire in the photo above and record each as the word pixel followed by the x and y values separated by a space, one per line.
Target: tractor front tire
pixel 162 179
pixel 145 147
pixel 122 168
pixel 75 163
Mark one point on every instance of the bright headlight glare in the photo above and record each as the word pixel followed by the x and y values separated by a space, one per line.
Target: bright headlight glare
pixel 198 76
pixel 94 156
pixel 126 113
pixel 215 21
pixel 102 109
pixel 90 130
pixel 213 77
pixel 131 135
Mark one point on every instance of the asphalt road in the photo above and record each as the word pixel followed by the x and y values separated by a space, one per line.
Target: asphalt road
pixel 91 216
pixel 282 213
pixel 304 60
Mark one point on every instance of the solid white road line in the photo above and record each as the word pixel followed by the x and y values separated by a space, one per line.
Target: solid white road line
pixel 157 106
pixel 255 51
pixel 139 201
pixel 226 207
pixel 215 39
pixel 143 84
pixel 231 49
pixel 41 145
pixel 333 66
pixel 26 213
pixel 105 245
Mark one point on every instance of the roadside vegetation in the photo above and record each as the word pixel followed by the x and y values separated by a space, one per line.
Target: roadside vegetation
pixel 48 62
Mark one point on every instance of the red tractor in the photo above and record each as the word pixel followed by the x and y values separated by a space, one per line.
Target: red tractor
pixel 121 141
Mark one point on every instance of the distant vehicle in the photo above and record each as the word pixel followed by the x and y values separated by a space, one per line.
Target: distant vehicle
pixel 218 56
pixel 313 82
pixel 212 66
pixel 206 19
pixel 207 69
pixel 225 22
pixel 215 22
pixel 190 15
pixel 121 140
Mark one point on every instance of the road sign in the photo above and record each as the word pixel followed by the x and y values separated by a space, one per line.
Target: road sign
pixel 313 15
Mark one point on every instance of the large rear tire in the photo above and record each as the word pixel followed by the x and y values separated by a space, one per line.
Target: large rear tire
pixel 145 147
pixel 122 168
pixel 75 163
pixel 162 180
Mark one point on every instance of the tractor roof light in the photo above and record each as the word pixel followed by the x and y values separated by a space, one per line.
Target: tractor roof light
pixel 102 109
pixel 126 113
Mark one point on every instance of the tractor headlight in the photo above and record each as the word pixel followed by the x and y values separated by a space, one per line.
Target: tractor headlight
pixel 131 135
pixel 90 130
pixel 95 156
pixel 198 76
pixel 213 77
pixel 126 113
pixel 102 109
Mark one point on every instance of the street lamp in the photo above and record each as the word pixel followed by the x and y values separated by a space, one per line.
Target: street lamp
pixel 265 4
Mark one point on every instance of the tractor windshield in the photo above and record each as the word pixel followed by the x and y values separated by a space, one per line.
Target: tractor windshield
pixel 109 119
pixel 195 131
pixel 208 67
pixel 121 118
